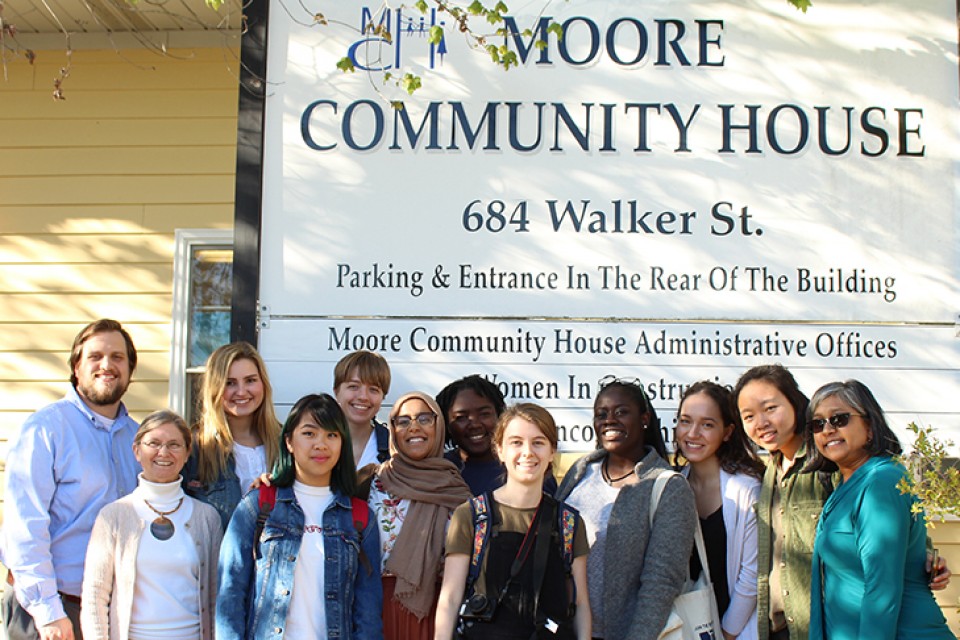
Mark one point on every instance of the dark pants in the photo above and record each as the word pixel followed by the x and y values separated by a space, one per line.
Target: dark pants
pixel 19 624
pixel 783 634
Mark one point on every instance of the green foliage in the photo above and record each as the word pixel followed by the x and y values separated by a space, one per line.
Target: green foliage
pixel 409 83
pixel 930 476
pixel 345 64
pixel 556 29
pixel 803 5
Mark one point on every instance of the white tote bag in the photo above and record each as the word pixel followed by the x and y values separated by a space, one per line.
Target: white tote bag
pixel 693 615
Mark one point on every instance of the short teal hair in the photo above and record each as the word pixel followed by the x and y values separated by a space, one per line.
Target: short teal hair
pixel 324 409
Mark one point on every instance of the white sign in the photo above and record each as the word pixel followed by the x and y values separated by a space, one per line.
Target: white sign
pixel 672 192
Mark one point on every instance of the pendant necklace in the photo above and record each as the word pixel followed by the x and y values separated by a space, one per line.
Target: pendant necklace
pixel 162 528
pixel 606 474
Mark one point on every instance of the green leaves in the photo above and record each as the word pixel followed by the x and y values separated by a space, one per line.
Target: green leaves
pixel 409 83
pixel 465 19
pixel 503 56
pixel 803 5
pixel 930 477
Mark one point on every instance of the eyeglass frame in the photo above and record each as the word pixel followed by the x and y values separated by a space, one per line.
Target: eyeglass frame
pixel 417 418
pixel 172 447
pixel 837 421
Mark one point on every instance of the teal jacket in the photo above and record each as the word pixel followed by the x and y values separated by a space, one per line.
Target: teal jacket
pixel 869 575
pixel 801 498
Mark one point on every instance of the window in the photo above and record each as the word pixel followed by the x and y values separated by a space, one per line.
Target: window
pixel 202 289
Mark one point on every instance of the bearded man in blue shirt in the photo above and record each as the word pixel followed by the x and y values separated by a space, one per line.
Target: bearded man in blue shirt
pixel 69 459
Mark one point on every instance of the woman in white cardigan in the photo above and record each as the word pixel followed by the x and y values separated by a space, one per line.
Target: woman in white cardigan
pixel 724 474
pixel 151 566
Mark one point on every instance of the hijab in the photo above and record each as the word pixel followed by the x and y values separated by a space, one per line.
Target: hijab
pixel 434 488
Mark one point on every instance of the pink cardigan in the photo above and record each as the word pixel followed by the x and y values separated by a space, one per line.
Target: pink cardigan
pixel 110 568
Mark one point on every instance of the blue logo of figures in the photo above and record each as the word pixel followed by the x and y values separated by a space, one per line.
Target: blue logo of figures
pixel 389 34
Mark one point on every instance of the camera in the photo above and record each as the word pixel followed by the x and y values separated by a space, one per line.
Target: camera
pixel 477 608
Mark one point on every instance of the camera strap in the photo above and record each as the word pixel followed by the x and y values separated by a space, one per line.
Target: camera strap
pixel 537 539
pixel 541 551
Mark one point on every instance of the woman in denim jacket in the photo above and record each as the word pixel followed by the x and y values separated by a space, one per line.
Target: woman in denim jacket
pixel 308 573
pixel 235 440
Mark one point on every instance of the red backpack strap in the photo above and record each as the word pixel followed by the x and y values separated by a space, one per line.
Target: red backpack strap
pixel 266 497
pixel 361 515
pixel 266 500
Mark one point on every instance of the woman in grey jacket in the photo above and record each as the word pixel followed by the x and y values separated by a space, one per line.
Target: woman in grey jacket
pixel 634 585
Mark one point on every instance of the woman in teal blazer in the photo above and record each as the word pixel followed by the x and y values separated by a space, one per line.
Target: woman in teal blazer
pixel 869 575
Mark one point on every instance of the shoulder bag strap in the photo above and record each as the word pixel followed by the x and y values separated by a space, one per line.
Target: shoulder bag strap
pixel 658 486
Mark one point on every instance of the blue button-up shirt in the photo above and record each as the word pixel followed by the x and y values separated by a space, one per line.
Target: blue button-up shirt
pixel 62 468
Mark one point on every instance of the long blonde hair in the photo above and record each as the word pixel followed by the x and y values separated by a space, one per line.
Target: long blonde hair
pixel 214 438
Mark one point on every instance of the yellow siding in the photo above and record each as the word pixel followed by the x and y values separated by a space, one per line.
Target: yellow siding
pixel 946 537
pixel 91 191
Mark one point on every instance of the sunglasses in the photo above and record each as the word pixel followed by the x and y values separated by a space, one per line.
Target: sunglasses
pixel 839 421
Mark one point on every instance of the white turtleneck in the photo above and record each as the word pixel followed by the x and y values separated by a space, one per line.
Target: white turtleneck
pixel 166 601
pixel 307 615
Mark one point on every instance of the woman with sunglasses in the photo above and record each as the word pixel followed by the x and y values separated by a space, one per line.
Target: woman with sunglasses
pixel 413 495
pixel 151 565
pixel 634 571
pixel 772 409
pixel 869 573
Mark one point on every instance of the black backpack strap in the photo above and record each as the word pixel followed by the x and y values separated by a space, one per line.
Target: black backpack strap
pixel 567 518
pixel 567 526
pixel 382 434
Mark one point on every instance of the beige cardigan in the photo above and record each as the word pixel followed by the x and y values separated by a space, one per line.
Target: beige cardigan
pixel 111 567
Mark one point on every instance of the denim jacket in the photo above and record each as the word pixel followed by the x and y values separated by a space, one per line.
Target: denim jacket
pixel 254 595
pixel 222 494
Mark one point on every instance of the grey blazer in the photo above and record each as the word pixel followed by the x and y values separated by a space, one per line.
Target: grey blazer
pixel 644 568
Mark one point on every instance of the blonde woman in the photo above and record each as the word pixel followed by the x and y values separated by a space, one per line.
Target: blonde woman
pixel 236 439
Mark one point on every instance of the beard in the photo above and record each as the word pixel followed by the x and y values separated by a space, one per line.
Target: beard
pixel 102 395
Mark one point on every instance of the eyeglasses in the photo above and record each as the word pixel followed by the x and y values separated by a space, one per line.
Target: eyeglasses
pixel 838 420
pixel 424 419
pixel 172 447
